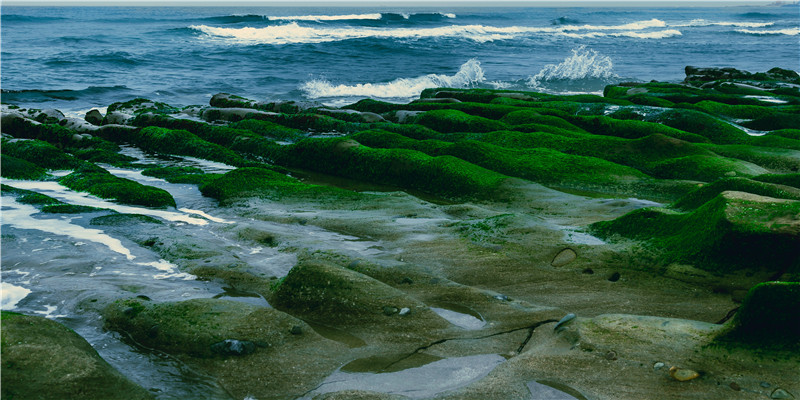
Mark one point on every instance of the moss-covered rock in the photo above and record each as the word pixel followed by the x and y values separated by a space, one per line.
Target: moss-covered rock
pixel 15 168
pixel 708 192
pixel 197 327
pixel 441 175
pixel 781 179
pixel 101 183
pixel 732 231
pixel 767 319
pixel 269 130
pixel 124 219
pixel 181 142
pixel 334 295
pixel 458 121
pixel 269 184
pixel 41 153
pixel 44 359
pixel 704 168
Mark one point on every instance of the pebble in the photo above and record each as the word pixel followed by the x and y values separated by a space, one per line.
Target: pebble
pixel 735 386
pixel 564 257
pixel 233 347
pixel 501 297
pixel 296 330
pixel 564 321
pixel 683 375
pixel 657 366
pixel 614 277
pixel 390 310
pixel 611 355
pixel 780 394
pixel 404 311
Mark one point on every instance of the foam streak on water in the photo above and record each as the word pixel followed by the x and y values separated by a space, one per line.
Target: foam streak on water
pixel 55 190
pixel 20 216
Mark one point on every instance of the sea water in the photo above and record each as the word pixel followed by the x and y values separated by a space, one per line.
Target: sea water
pixel 76 58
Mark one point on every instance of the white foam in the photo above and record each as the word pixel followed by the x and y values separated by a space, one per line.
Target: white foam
pixel 582 64
pixel 19 215
pixel 469 74
pixel 170 270
pixel 702 22
pixel 767 99
pixel 49 312
pixel 327 17
pixel 10 295
pixel 54 189
pixel 787 31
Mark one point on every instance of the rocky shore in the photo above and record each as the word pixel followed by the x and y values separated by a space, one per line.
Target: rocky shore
pixel 640 244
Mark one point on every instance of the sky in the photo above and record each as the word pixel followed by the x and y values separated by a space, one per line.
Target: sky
pixel 549 3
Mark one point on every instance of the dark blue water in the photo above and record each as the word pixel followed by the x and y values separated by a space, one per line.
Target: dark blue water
pixel 76 58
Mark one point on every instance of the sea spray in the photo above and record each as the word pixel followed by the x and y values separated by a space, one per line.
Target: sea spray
pixel 585 69
pixel 470 74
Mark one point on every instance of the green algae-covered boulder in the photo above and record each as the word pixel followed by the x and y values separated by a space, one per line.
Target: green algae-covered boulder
pixel 42 359
pixel 268 184
pixel 768 317
pixel 201 327
pixel 330 294
pixel 458 121
pixel 101 183
pixel 735 230
pixel 446 176
pixel 40 153
pixel 181 142
pixel 707 192
pixel 16 168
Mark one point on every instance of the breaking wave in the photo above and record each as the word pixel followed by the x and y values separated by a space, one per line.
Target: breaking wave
pixel 468 75
pixel 293 33
pixel 703 22
pixel 585 69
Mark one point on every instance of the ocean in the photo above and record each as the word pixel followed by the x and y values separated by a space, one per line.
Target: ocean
pixel 77 58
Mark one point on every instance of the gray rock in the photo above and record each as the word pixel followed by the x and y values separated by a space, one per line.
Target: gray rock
pixel 94 117
pixel 233 347
pixel 404 116
pixel 117 117
pixel 564 257
pixel 779 393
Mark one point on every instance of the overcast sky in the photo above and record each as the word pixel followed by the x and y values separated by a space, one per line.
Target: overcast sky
pixel 379 3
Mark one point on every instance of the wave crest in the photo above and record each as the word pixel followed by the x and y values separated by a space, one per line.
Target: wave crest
pixel 787 31
pixel 469 74
pixel 702 22
pixel 585 67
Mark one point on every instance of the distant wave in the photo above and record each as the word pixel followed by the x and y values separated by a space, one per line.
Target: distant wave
pixel 757 15
pixel 28 18
pixel 236 18
pixel 38 95
pixel 468 75
pixel 632 34
pixel 293 33
pixel 703 22
pixel 585 68
pixel 326 17
pixel 787 31
pixel 564 21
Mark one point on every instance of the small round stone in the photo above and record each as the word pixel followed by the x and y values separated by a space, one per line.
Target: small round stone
pixel 780 394
pixel 735 386
pixel 657 366
pixel 682 375
pixel 611 355
pixel 614 277
pixel 404 311
pixel 296 330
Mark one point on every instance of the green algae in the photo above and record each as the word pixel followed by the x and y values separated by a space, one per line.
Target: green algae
pixel 457 121
pixel 124 219
pixel 181 142
pixel 101 183
pixel 708 192
pixel 732 231
pixel 446 176
pixel 15 168
pixel 269 130
pixel 781 179
pixel 767 319
pixel 269 184
pixel 41 153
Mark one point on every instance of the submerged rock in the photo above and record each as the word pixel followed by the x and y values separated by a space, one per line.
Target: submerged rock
pixel 44 359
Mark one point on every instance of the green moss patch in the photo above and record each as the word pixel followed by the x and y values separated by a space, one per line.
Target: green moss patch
pixel 266 183
pixel 732 231
pixel 101 183
pixel 15 168
pixel 708 192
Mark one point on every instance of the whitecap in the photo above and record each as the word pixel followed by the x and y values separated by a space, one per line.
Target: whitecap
pixel 787 31
pixel 292 33
pixel 10 295
pixel 347 17
pixel 702 22
pixel 470 73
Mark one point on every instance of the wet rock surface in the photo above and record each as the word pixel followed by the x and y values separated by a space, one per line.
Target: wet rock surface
pixel 476 244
